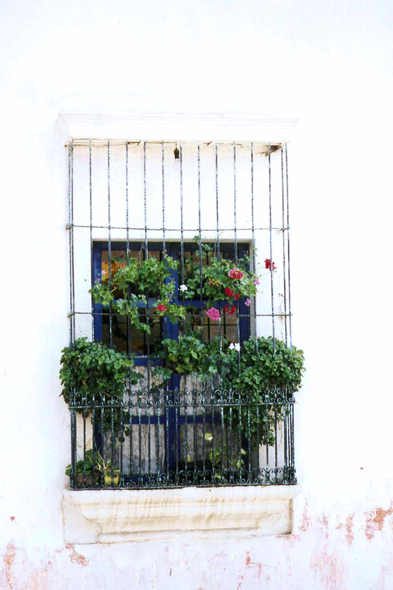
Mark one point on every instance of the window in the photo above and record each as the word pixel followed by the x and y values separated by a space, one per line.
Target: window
pixel 183 381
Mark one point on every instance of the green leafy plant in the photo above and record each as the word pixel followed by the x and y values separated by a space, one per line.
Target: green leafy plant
pixel 261 372
pixel 189 356
pixel 94 467
pixel 132 283
pixel 222 279
pixel 87 466
pixel 91 369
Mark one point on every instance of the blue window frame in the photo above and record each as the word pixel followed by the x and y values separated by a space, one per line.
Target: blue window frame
pixel 130 340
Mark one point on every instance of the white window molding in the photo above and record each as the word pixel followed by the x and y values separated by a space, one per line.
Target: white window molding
pixel 226 128
pixel 116 516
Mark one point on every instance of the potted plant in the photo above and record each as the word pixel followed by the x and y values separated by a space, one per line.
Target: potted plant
pixel 91 470
pixel 87 472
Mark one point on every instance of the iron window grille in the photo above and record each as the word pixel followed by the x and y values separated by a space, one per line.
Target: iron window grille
pixel 130 199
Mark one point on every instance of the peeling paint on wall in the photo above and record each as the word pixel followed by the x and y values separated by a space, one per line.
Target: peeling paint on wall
pixel 375 520
pixel 77 557
pixel 348 527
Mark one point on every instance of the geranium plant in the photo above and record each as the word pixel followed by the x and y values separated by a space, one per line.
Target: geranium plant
pixel 219 281
pixel 136 281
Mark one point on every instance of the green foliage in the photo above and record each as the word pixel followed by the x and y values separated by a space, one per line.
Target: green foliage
pixel 136 280
pixel 90 465
pixel 261 373
pixel 216 278
pixel 87 466
pixel 91 369
pixel 189 356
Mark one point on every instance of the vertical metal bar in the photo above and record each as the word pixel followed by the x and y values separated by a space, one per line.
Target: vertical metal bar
pixel 195 477
pixel 286 437
pixel 131 444
pixel 203 439
pixel 222 442
pixel 73 448
pixel 200 239
pixel 158 448
pixel 71 239
pixel 217 204
pixel 102 438
pixel 213 449
pixel 235 236
pixel 254 266
pixel 112 438
pixel 145 197
pixel 91 236
pixel 84 447
pixel 140 479
pixel 231 437
pixel 249 478
pixel 185 435
pixel 266 410
pixel 288 246
pixel 271 247
pixel 240 417
pixel 177 438
pixel 163 193
pixel 121 443
pixel 275 441
pixel 293 436
pixel 181 225
pixel 127 207
pixel 258 444
pixel 147 255
pixel 284 262
pixel 149 439
pixel 167 438
pixel 235 199
pixel 109 241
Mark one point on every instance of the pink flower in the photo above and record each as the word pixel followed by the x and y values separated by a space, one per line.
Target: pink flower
pixel 213 314
pixel 248 302
pixel 235 273
pixel 269 264
pixel 256 282
pixel 161 307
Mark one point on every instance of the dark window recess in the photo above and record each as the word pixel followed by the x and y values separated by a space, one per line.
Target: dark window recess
pixel 182 429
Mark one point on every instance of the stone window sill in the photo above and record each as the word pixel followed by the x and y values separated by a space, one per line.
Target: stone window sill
pixel 114 516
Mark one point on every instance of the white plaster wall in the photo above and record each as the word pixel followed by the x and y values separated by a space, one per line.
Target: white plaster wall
pixel 330 64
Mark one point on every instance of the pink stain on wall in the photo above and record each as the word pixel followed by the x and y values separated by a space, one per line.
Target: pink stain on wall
pixel 330 570
pixel 306 521
pixel 77 557
pixel 375 521
pixel 348 527
pixel 9 557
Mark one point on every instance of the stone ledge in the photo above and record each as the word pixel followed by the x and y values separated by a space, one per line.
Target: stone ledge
pixel 115 516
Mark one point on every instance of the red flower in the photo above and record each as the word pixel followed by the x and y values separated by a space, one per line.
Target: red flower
pixel 268 264
pixel 235 273
pixel 122 265
pixel 237 296
pixel 228 292
pixel 161 307
pixel 230 310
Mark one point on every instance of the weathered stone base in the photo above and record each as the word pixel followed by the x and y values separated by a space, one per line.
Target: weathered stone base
pixel 113 516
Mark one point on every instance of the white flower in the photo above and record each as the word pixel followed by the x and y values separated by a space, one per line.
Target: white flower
pixel 233 346
pixel 183 288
